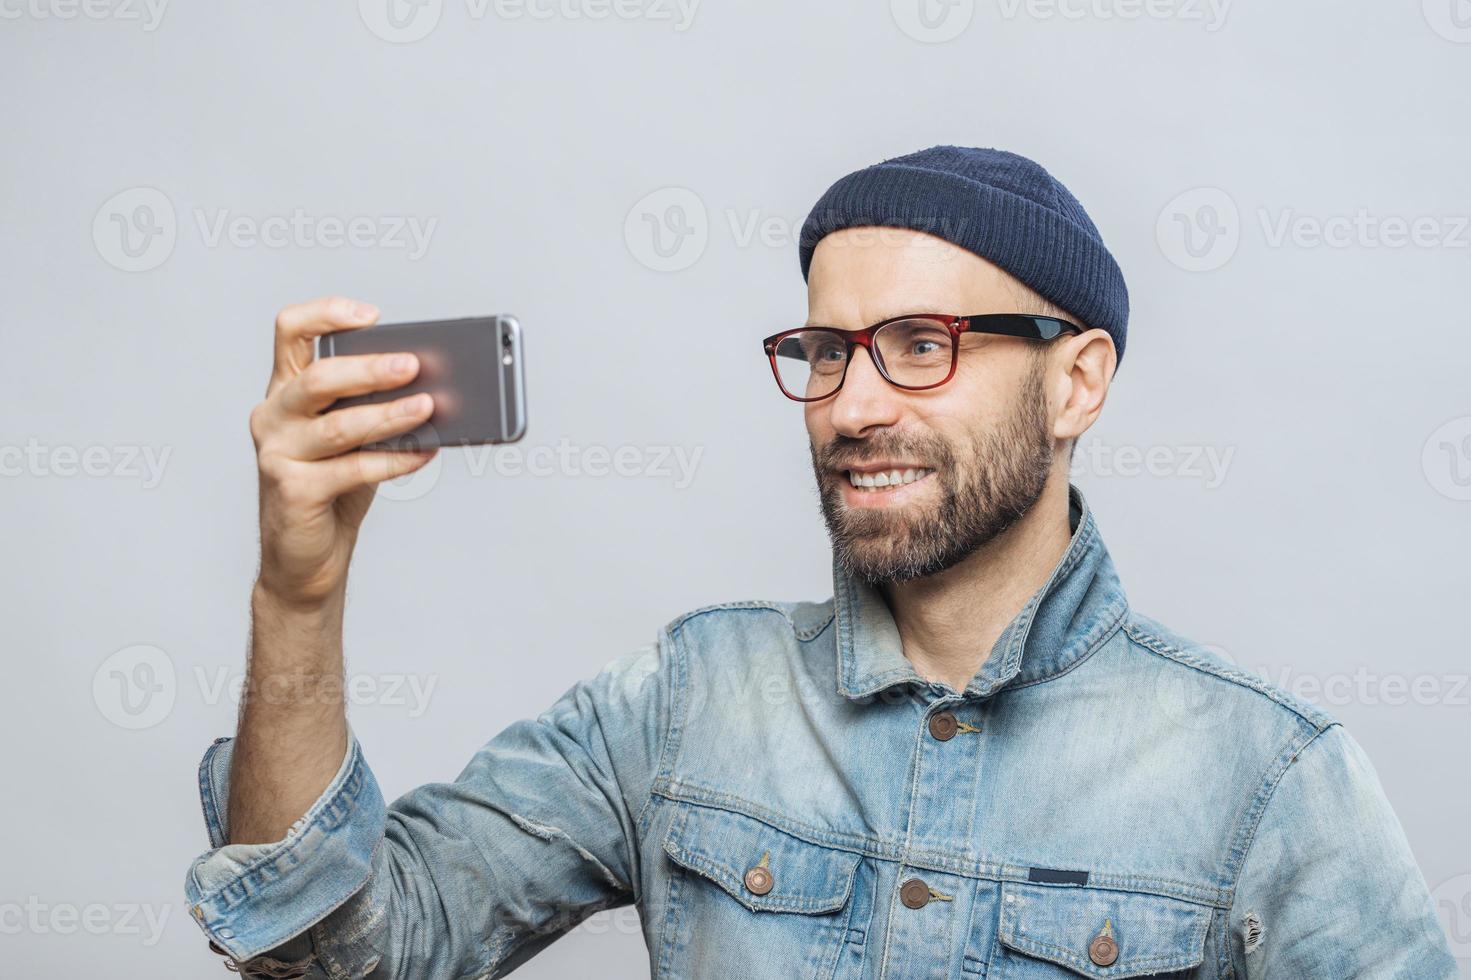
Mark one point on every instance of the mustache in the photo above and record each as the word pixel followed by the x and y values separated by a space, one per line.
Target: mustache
pixel 843 452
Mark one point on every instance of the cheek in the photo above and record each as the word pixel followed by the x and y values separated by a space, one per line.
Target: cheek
pixel 819 428
pixel 951 413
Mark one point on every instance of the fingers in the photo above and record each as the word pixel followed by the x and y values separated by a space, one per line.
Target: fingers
pixel 313 484
pixel 298 325
pixel 346 473
pixel 346 429
pixel 323 382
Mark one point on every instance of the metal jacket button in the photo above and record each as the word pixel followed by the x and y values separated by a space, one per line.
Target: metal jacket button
pixel 943 725
pixel 915 894
pixel 1103 950
pixel 759 879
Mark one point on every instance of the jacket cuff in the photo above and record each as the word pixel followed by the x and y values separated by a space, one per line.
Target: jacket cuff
pixel 251 898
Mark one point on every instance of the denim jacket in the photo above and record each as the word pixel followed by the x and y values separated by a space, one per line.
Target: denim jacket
pixel 782 795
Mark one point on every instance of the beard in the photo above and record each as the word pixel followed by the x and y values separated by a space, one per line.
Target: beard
pixel 987 483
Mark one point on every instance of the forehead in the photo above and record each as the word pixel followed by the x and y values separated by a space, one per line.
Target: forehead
pixel 862 275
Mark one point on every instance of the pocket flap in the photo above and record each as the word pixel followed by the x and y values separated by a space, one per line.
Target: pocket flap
pixel 1058 923
pixel 724 846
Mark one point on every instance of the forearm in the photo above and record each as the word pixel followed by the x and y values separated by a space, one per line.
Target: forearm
pixel 455 879
pixel 292 732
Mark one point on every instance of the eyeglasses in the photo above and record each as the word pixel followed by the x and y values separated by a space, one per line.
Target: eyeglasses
pixel 914 352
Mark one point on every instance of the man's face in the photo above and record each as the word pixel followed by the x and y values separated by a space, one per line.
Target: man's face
pixel 962 462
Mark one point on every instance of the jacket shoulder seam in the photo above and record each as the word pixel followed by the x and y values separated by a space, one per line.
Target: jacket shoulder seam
pixel 1317 718
pixel 673 725
pixel 672 637
pixel 1251 820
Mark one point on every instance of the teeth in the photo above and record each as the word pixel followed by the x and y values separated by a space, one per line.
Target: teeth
pixel 891 478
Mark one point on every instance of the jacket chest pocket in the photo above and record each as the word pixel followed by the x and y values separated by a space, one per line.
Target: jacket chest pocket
pixel 748 899
pixel 1058 932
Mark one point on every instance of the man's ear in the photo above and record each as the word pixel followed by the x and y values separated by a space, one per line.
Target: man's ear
pixel 1081 370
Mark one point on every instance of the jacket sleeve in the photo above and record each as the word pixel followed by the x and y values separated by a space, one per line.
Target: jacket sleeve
pixel 461 879
pixel 1329 889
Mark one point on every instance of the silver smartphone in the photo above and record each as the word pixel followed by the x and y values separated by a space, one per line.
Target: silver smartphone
pixel 472 368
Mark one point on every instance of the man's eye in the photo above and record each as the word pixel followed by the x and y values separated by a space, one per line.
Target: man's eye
pixel 825 350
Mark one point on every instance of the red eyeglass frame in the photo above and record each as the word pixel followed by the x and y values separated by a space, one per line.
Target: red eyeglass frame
pixel 1022 325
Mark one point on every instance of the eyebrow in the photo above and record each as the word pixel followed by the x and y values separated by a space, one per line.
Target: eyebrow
pixel 908 309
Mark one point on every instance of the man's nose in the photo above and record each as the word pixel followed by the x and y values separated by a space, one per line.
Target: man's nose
pixel 866 400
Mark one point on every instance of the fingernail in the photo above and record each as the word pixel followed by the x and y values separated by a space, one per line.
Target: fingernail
pixel 415 405
pixel 364 311
pixel 402 363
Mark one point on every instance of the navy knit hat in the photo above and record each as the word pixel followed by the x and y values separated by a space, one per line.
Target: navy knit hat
pixel 1001 206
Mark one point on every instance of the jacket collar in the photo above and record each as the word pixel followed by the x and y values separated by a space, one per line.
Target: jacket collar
pixel 1081 604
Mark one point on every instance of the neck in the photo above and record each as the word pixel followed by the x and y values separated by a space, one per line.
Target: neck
pixel 949 622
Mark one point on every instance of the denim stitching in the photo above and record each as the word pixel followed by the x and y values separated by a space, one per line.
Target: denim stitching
pixel 347 793
pixel 689 794
pixel 674 726
pixel 1254 814
pixel 1022 943
pixel 1141 635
